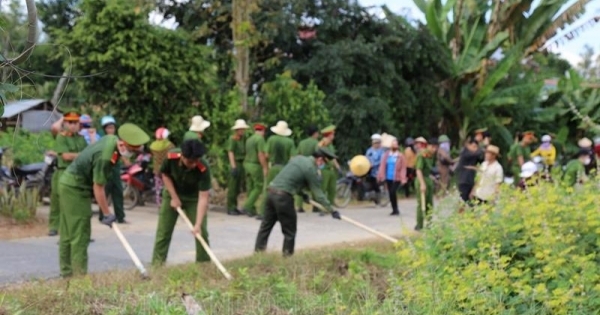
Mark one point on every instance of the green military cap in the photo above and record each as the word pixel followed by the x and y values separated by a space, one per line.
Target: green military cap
pixel 190 135
pixel 481 130
pixel 71 114
pixel 443 138
pixel 327 130
pixel 324 152
pixel 133 135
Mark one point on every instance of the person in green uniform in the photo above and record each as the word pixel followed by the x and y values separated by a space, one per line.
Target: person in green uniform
pixel 280 148
pixel 197 127
pixel 187 180
pixel 256 168
pixel 300 173
pixel 520 153
pixel 575 170
pixel 114 187
pixel 306 147
pixel 330 172
pixel 236 150
pixel 88 174
pixel 67 146
pixel 424 184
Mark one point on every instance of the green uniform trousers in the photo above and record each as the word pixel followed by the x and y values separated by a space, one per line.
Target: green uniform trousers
pixel 114 189
pixel 54 220
pixel 234 186
pixel 428 201
pixel 279 207
pixel 329 182
pixel 167 218
pixel 75 229
pixel 516 170
pixel 255 183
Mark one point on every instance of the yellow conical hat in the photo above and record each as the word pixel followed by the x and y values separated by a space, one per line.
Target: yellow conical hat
pixel 360 165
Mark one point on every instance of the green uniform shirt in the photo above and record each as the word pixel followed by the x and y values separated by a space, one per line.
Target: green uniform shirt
pixel 519 150
pixel 94 165
pixel 280 149
pixel 307 146
pixel 298 174
pixel 425 162
pixel 238 147
pixel 188 182
pixel 254 145
pixel 574 171
pixel 68 144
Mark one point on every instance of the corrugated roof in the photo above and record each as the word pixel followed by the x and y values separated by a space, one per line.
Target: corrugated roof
pixel 14 108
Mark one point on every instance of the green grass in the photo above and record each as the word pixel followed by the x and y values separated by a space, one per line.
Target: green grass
pixel 344 280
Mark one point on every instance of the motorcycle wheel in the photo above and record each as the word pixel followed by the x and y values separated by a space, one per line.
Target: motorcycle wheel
pixel 131 197
pixel 384 199
pixel 343 194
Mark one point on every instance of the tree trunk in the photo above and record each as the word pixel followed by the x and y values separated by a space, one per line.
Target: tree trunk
pixel 241 28
pixel 31 36
pixel 59 88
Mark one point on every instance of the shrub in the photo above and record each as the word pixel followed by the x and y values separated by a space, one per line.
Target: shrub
pixel 534 253
pixel 21 206
pixel 25 147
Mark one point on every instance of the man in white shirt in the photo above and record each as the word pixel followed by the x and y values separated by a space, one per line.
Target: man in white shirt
pixel 491 175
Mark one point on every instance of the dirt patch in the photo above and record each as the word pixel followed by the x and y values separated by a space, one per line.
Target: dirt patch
pixel 9 230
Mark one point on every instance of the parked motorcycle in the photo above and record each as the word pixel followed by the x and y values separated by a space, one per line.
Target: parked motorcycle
pixel 352 184
pixel 29 176
pixel 138 182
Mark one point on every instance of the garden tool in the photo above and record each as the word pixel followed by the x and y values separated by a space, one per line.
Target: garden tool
pixel 360 225
pixel 134 257
pixel 212 256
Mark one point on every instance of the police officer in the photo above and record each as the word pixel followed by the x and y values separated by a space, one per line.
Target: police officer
pixel 256 168
pixel 299 173
pixel 236 150
pixel 575 169
pixel 520 153
pixel 423 183
pixel 67 146
pixel 187 181
pixel 114 187
pixel 306 147
pixel 329 173
pixel 89 172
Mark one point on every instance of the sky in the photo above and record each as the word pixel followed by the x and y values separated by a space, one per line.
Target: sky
pixel 570 51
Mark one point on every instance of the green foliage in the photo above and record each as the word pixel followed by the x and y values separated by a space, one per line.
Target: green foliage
pixel 25 147
pixel 20 206
pixel 145 74
pixel 286 99
pixel 533 253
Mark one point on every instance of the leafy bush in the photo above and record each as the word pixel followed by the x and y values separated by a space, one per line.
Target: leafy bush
pixel 534 253
pixel 25 147
pixel 20 206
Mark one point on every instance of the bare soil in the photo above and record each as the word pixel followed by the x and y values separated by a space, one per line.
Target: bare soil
pixel 10 230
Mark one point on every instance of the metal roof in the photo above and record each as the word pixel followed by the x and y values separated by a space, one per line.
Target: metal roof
pixel 14 108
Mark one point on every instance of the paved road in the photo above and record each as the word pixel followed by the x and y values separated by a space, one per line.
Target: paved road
pixel 230 237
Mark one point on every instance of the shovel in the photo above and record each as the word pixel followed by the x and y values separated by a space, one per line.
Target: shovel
pixel 360 225
pixel 212 256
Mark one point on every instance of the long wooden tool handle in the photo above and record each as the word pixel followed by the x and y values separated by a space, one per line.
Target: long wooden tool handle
pixel 360 225
pixel 212 256
pixel 129 250
pixel 423 205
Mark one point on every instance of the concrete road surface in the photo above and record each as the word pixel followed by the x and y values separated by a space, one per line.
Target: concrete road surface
pixel 230 237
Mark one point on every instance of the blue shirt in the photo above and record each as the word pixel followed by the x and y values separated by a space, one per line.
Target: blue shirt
pixel 390 170
pixel 86 135
pixel 374 156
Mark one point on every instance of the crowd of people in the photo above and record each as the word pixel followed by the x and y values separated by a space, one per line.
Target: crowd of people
pixel 277 175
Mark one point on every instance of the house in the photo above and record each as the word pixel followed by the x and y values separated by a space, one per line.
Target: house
pixel 34 115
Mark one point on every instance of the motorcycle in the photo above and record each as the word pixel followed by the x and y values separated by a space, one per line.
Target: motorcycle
pixel 29 176
pixel 138 182
pixel 352 184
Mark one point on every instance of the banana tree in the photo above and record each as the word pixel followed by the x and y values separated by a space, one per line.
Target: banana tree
pixel 582 101
pixel 486 40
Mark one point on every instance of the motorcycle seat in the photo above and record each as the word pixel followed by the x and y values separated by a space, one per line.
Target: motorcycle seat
pixel 30 168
